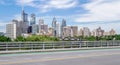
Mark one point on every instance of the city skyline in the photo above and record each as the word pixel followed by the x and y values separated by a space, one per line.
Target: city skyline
pixel 75 12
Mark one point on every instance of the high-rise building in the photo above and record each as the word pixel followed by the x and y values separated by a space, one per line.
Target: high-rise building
pixel 44 29
pixel 54 26
pixel 86 32
pixel 30 29
pixel 24 16
pixel 70 31
pixel 50 31
pixel 80 32
pixel 23 27
pixel 24 23
pixel 58 29
pixel 74 30
pixel 106 34
pixel 67 31
pixel 63 25
pixel 41 22
pixel 11 30
pixel 112 32
pixel 32 20
pixel 18 27
pixel 99 32
pixel 93 33
pixel 34 29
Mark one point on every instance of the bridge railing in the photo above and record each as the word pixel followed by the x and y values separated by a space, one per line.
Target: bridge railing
pixel 7 46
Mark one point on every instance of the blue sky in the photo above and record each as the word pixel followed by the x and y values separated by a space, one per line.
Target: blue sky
pixel 83 13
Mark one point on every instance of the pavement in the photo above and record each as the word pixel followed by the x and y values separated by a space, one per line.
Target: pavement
pixel 78 57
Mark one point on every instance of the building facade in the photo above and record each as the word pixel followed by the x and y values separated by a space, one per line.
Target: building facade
pixel 32 20
pixel 11 30
pixel 62 26
pixel 86 32
pixel 54 26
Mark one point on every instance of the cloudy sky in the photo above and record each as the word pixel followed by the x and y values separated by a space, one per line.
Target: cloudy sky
pixel 83 13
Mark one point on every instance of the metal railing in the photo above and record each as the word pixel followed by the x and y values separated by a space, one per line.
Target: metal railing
pixel 6 46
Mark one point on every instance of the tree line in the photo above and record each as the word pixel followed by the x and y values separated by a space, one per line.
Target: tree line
pixel 42 38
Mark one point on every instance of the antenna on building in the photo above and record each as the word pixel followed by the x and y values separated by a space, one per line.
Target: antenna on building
pixel 23 6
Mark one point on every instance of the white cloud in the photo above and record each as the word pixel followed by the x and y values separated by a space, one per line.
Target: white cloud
pixel 47 5
pixel 100 10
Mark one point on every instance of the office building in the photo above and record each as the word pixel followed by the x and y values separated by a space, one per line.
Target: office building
pixel 86 32
pixel 32 20
pixel 44 29
pixel 63 25
pixel 24 23
pixel 74 30
pixel 70 31
pixel 11 30
pixel 58 29
pixel 54 26
pixel 112 32
pixel 80 32
pixel 35 29
pixel 67 31
pixel 30 29
pixel 41 22
pixel 99 32
pixel 24 16
pixel 50 30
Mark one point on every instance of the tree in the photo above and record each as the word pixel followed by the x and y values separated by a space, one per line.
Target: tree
pixel 20 38
pixel 4 39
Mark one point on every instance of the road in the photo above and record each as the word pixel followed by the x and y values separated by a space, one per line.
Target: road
pixel 81 57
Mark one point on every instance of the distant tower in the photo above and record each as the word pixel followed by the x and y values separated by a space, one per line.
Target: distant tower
pixel 62 26
pixel 32 20
pixel 54 26
pixel 58 29
pixel 24 22
pixel 41 22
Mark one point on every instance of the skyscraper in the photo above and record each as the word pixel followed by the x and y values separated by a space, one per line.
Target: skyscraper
pixel 24 23
pixel 24 16
pixel 54 26
pixel 33 19
pixel 34 29
pixel 58 29
pixel 41 22
pixel 18 27
pixel 86 32
pixel 62 26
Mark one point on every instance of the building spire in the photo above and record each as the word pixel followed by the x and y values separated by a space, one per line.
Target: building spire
pixel 23 6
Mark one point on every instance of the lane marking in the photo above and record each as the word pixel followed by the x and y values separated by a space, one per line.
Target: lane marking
pixel 56 59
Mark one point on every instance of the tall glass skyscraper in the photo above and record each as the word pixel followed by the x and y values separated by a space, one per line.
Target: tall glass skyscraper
pixel 33 19
pixel 24 16
pixel 24 22
pixel 54 26
pixel 62 26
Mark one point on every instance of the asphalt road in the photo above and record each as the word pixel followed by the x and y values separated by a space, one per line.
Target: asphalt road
pixel 84 57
